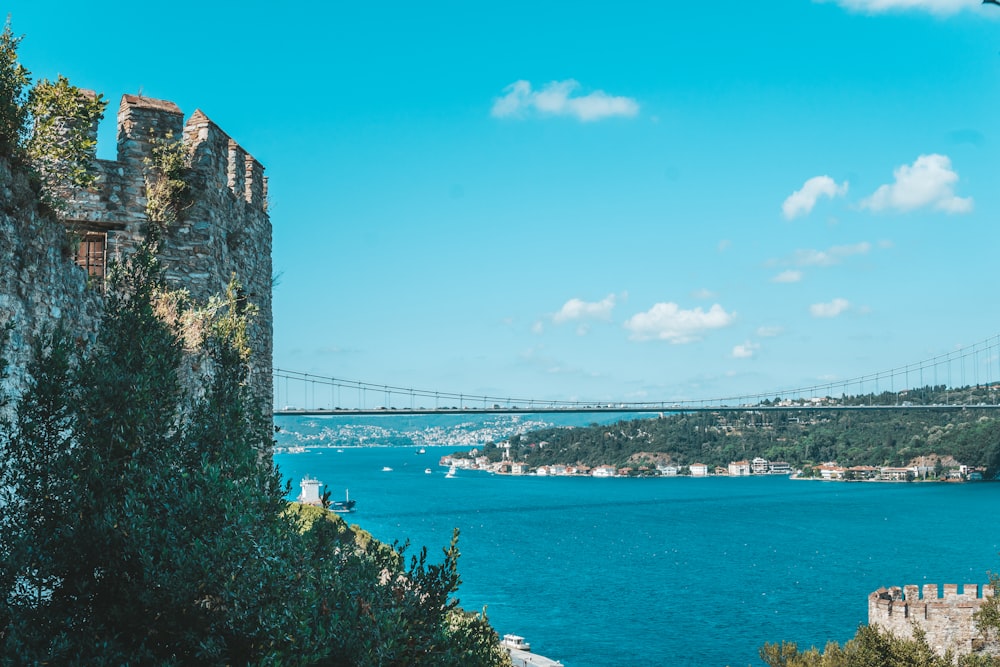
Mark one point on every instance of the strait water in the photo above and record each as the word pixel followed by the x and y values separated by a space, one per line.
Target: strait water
pixel 670 571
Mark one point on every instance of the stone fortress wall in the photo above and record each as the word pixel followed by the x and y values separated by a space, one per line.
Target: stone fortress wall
pixel 225 231
pixel 946 616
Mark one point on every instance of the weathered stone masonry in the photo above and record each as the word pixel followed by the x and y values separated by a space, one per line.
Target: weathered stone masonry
pixel 226 231
pixel 946 618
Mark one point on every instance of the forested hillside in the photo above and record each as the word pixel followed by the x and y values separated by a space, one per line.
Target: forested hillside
pixel 800 437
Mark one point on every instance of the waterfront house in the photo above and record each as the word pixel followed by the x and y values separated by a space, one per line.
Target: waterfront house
pixel 862 473
pixel 896 474
pixel 543 471
pixel 667 471
pixel 831 471
pixel 779 468
pixel 519 468
pixel 698 470
pixel 604 471
pixel 739 468
pixel 759 466
pixel 558 469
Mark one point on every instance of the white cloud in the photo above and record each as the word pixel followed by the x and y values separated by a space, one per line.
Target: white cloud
pixel 832 256
pixel 537 327
pixel 769 332
pixel 577 309
pixel 790 276
pixel 932 6
pixel 666 321
pixel 745 350
pixel 556 99
pixel 832 309
pixel 703 293
pixel 802 201
pixel 929 181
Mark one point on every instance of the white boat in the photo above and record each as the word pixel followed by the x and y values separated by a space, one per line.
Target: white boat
pixel 451 472
pixel 515 642
pixel 421 451
pixel 386 469
pixel 427 471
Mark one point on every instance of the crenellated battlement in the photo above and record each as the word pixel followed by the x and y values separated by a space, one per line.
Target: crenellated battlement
pixel 224 230
pixel 945 613
pixel 218 163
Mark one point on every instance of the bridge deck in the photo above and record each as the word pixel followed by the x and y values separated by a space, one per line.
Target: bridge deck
pixel 632 409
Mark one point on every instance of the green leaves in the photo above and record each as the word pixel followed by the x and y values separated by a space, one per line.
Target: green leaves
pixel 143 522
pixel 14 80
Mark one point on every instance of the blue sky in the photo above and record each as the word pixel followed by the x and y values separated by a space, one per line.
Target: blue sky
pixel 594 201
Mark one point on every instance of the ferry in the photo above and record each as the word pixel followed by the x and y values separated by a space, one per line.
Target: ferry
pixel 515 642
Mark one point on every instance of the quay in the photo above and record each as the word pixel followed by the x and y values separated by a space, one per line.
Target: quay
pixel 528 659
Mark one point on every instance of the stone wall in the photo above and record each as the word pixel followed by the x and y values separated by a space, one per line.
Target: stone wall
pixel 224 232
pixel 946 617
pixel 40 283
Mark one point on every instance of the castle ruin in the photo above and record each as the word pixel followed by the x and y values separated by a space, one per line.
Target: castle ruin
pixel 946 616
pixel 225 231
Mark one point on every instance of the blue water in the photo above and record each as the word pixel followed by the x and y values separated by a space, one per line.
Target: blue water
pixel 664 571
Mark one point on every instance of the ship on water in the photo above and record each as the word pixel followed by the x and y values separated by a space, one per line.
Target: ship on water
pixel 310 495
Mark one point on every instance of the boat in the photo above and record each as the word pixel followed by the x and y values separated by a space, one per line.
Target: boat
pixel 451 472
pixel 345 506
pixel 428 471
pixel 421 451
pixel 386 469
pixel 515 642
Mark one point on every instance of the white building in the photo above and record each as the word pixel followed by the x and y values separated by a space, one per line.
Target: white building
pixel 739 468
pixel 310 491
pixel 699 470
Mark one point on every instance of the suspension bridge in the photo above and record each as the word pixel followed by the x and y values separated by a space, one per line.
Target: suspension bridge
pixel 968 377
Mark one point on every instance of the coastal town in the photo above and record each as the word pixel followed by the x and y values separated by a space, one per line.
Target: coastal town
pixel 923 469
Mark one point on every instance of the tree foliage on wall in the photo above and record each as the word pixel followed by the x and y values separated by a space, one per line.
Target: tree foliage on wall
pixel 144 523
pixel 47 126
pixel 871 647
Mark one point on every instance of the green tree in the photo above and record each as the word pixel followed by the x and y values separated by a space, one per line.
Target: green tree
pixel 14 81
pixel 870 647
pixel 145 523
pixel 61 146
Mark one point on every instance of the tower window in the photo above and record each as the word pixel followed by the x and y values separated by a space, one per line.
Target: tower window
pixel 92 255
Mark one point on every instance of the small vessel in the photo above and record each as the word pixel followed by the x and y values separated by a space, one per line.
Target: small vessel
pixel 386 469
pixel 451 472
pixel 515 642
pixel 428 471
pixel 345 506
pixel 421 451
